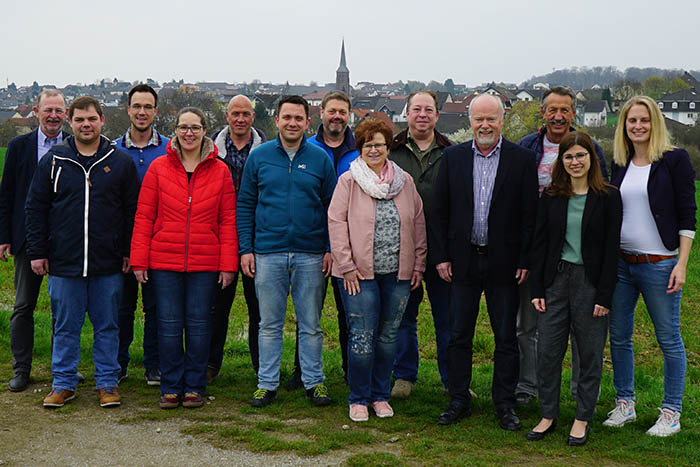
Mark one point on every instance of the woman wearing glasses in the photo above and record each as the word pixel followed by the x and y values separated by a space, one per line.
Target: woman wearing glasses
pixel 184 241
pixel 658 195
pixel 573 278
pixel 378 243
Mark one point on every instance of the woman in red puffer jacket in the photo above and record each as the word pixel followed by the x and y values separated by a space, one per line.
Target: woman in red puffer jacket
pixel 184 239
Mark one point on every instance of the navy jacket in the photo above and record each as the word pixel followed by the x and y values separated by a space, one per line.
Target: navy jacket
pixel 512 212
pixel 82 220
pixel 671 190
pixel 282 205
pixel 535 143
pixel 600 241
pixel 348 151
pixel 20 164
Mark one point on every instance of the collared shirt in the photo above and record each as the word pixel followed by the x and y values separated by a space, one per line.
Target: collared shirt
pixel 44 143
pixel 420 154
pixel 484 177
pixel 153 141
pixel 237 157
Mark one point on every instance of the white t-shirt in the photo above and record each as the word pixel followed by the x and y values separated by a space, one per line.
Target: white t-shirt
pixel 549 157
pixel 639 233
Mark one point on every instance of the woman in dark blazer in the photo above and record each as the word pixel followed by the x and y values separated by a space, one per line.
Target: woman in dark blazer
pixel 657 184
pixel 573 277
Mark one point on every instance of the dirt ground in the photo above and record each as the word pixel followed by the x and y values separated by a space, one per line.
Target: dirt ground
pixel 83 433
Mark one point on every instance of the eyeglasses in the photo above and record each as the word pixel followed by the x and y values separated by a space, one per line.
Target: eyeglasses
pixel 581 156
pixel 195 129
pixel 139 107
pixel 369 147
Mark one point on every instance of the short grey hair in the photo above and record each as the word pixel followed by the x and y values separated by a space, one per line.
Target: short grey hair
pixel 560 91
pixel 49 93
pixel 501 108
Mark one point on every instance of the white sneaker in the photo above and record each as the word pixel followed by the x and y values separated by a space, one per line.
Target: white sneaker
pixel 621 414
pixel 667 424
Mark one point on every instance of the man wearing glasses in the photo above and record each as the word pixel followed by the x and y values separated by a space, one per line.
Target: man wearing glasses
pixel 418 150
pixel 558 111
pixel 144 144
pixel 23 155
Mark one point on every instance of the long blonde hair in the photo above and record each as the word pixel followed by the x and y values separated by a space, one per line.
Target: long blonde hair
pixel 659 139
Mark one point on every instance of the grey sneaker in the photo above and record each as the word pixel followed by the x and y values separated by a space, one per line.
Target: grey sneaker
pixel 622 413
pixel 152 376
pixel 667 424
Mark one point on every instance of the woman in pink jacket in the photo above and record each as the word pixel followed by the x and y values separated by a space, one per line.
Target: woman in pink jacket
pixel 378 243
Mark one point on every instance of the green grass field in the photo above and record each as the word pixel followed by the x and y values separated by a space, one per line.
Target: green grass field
pixel 412 436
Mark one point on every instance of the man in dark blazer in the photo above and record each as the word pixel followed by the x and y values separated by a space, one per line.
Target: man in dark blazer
pixel 484 216
pixel 21 159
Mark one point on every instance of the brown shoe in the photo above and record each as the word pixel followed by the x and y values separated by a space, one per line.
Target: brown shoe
pixel 402 389
pixel 109 397
pixel 58 398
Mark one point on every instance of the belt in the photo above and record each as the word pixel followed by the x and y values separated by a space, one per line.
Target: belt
pixel 480 249
pixel 640 259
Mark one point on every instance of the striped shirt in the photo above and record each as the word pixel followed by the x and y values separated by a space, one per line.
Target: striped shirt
pixel 484 176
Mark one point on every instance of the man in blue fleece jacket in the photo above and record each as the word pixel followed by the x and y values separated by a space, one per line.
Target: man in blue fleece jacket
pixel 285 191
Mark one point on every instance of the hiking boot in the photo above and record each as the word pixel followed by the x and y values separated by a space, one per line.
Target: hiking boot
pixel 122 375
pixel 622 413
pixel 382 409
pixel 294 381
pixel 667 424
pixel 402 389
pixel 169 401
pixel 318 395
pixel 152 376
pixel 58 398
pixel 192 400
pixel 212 375
pixel 263 397
pixel 109 397
pixel 359 413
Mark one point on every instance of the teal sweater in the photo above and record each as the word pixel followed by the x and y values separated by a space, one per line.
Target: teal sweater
pixel 282 204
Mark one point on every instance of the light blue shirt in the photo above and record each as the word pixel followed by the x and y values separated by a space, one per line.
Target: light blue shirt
pixel 484 177
pixel 43 143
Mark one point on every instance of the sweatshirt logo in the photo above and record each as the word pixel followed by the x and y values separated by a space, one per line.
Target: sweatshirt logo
pixel 301 166
pixel 107 169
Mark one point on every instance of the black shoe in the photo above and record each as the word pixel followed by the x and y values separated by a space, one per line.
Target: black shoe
pixel 263 397
pixel 508 420
pixel 318 395
pixel 213 375
pixel 294 381
pixel 152 376
pixel 454 413
pixel 81 378
pixel 522 399
pixel 122 376
pixel 538 435
pixel 573 441
pixel 19 382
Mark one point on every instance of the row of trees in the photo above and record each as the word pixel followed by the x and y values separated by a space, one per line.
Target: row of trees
pixel 587 77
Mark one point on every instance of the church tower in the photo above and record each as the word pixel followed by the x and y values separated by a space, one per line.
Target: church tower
pixel 342 74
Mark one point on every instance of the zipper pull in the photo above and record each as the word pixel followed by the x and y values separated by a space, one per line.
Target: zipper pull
pixel 189 201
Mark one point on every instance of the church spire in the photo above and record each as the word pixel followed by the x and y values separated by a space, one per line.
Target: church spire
pixel 342 74
pixel 343 67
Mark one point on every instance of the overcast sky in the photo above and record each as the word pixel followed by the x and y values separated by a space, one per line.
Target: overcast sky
pixel 68 41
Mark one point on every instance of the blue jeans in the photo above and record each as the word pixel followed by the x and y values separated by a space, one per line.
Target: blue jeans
pixel 406 364
pixel 184 303
pixel 373 317
pixel 651 280
pixel 274 274
pixel 127 308
pixel 71 297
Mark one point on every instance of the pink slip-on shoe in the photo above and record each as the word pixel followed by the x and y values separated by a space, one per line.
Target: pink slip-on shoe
pixel 383 409
pixel 358 413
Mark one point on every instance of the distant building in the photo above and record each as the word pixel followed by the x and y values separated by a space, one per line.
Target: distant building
pixel 682 106
pixel 342 74
pixel 595 113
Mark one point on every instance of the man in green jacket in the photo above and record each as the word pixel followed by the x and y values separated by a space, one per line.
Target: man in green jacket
pixel 418 150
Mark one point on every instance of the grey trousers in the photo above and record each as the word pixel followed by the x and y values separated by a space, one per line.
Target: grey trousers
pixel 526 328
pixel 27 285
pixel 569 308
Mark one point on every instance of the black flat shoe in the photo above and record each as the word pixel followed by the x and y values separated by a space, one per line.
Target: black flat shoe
pixel 538 435
pixel 454 413
pixel 19 382
pixel 573 441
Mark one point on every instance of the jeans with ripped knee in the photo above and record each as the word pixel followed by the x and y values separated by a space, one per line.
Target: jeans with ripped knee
pixel 373 318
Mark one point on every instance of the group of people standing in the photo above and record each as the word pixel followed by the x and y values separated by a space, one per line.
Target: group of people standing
pixel 557 250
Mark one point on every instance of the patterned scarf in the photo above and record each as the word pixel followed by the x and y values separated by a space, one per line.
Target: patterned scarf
pixel 387 186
